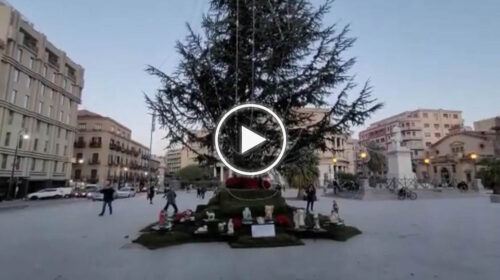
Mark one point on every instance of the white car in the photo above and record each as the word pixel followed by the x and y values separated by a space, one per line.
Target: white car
pixel 125 192
pixel 46 193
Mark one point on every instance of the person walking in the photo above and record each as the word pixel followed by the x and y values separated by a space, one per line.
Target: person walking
pixel 171 195
pixel 203 191
pixel 151 194
pixel 310 197
pixel 107 198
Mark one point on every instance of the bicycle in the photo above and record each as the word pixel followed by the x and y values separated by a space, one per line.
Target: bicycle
pixel 405 193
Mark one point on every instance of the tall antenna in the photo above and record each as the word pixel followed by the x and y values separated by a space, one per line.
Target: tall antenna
pixel 237 31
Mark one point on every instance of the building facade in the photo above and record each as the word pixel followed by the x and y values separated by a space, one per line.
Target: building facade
pixel 453 159
pixel 40 89
pixel 105 152
pixel 420 129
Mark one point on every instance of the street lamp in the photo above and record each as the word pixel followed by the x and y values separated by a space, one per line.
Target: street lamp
pixel 22 134
pixel 363 156
pixel 80 161
pixel 334 161
pixel 473 157
pixel 427 162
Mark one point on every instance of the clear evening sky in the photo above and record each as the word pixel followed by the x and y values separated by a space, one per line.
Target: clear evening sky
pixel 417 53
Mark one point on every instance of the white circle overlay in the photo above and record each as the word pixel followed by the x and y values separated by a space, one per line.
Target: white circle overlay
pixel 232 111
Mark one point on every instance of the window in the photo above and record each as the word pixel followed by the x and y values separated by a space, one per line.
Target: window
pixel 59 130
pixel 35 145
pixel 437 134
pixel 455 116
pixel 427 134
pixel 46 147
pixel 24 122
pixel 436 125
pixel 16 75
pixel 7 139
pixel 435 169
pixel 26 101
pixel 65 151
pixel 57 149
pixel 39 107
pixel 28 81
pixel 49 112
pixel 67 119
pixel 13 96
pixel 52 92
pixel 425 115
pixel 10 118
pixel 20 143
pixel 31 63
pixel 55 167
pixel 42 91
pixel 64 83
pixel 38 126
pixel 19 55
pixel 44 70
pixel 66 135
pixel 4 161
pixel 48 129
pixel 445 116
pixel 78 174
pixel 98 126
pixel 33 164
pixel 82 126
pixel 63 167
pixel 61 100
pixel 52 77
pixel 44 166
pixel 454 168
pixel 446 126
pixel 428 144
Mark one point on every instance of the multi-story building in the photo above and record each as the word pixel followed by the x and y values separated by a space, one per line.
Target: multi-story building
pixel 40 89
pixel 488 125
pixel 105 152
pixel 420 129
pixel 173 160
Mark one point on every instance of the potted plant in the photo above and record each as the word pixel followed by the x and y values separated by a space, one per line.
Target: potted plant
pixel 490 176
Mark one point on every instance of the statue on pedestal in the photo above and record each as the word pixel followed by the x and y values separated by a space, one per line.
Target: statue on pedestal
pixel 302 217
pixel 296 219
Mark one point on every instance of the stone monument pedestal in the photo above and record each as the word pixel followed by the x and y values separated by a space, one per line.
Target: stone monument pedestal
pixel 399 166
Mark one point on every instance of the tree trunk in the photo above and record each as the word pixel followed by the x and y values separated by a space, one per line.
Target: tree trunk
pixel 300 193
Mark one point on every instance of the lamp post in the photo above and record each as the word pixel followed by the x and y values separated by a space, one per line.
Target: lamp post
pixel 427 162
pixel 334 161
pixel 473 157
pixel 363 156
pixel 22 133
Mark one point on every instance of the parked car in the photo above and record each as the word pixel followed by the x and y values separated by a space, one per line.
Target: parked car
pixel 67 192
pixel 46 193
pixel 125 192
pixel 88 191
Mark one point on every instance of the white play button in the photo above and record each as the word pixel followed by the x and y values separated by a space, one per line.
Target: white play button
pixel 249 139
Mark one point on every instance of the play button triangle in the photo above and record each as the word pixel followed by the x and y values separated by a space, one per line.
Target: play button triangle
pixel 249 139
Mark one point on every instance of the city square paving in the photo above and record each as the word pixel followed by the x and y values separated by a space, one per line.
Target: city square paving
pixel 455 238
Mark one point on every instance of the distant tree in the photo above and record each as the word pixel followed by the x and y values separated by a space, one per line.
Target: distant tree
pixel 302 172
pixel 490 174
pixel 378 161
pixel 193 173
pixel 286 59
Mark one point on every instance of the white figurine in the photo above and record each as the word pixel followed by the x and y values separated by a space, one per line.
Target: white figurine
pixel 247 214
pixel 296 219
pixel 261 220
pixel 222 226
pixel 316 222
pixel 202 229
pixel 335 218
pixel 269 212
pixel 302 216
pixel 210 216
pixel 230 227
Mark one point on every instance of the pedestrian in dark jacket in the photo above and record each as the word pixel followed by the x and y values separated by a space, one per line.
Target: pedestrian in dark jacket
pixel 171 195
pixel 151 194
pixel 107 197
pixel 310 197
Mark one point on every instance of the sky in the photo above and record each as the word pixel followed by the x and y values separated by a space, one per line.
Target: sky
pixel 416 53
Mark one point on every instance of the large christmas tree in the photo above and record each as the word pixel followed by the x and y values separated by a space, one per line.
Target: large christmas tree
pixel 273 52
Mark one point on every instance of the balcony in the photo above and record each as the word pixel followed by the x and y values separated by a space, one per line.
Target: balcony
pixel 30 43
pixel 95 144
pixel 79 144
pixel 94 162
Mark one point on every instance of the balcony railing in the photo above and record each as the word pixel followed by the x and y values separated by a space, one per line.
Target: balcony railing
pixel 79 144
pixel 95 144
pixel 94 162
pixel 30 43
